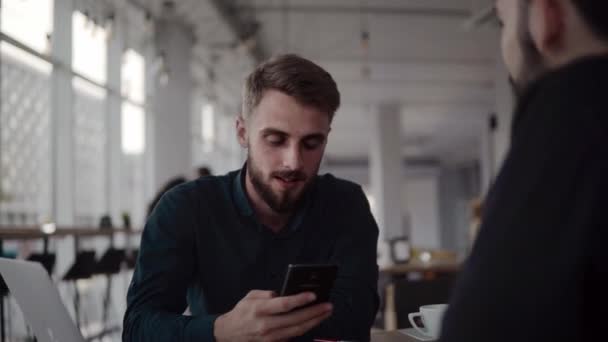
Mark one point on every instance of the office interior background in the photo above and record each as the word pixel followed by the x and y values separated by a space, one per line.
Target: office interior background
pixel 103 101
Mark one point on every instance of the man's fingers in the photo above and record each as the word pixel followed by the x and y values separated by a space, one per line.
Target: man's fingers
pixel 259 294
pixel 298 317
pixel 279 305
pixel 297 330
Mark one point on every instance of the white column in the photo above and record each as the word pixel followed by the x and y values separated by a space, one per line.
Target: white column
pixel 173 105
pixel 62 115
pixel 113 120
pixel 386 170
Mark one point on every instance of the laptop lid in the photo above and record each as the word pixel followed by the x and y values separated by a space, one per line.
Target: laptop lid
pixel 34 291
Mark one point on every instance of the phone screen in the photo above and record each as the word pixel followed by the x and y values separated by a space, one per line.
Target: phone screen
pixel 316 278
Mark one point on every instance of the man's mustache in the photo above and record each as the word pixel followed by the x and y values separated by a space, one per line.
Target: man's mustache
pixel 290 176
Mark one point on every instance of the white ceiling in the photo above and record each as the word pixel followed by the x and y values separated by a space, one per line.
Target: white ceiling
pixel 420 55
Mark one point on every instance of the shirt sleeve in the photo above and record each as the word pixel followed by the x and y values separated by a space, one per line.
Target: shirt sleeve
pixel 525 276
pixel 165 267
pixel 355 294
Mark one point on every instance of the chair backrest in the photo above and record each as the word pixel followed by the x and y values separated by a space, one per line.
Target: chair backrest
pixel 83 266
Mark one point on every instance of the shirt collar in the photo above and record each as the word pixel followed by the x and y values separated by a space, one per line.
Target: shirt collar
pixel 245 209
pixel 242 202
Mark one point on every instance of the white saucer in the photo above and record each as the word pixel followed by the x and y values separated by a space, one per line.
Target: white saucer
pixel 416 334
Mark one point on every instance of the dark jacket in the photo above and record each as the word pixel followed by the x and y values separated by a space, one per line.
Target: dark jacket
pixel 539 269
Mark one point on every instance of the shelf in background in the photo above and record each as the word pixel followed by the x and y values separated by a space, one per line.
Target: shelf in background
pixel 33 232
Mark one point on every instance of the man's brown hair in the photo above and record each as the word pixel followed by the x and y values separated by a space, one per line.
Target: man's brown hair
pixel 295 76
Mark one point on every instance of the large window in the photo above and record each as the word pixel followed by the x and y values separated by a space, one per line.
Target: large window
pixel 133 136
pixel 133 129
pixel 26 121
pixel 90 152
pixel 25 154
pixel 208 127
pixel 29 22
pixel 133 71
pixel 89 53
pixel 89 120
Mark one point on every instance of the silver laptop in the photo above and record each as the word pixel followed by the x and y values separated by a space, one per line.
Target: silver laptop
pixel 39 300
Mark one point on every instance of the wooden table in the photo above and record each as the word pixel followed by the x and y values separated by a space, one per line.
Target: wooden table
pixel 422 267
pixel 34 233
pixel 24 233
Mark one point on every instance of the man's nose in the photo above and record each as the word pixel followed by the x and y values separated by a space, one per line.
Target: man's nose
pixel 292 159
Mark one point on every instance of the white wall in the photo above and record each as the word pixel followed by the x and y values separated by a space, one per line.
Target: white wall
pixel 421 196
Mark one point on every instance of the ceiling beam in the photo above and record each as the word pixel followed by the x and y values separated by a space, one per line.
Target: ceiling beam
pixel 374 10
pixel 405 60
pixel 239 28
pixel 372 82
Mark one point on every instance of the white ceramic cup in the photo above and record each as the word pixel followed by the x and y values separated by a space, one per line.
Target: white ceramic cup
pixel 431 317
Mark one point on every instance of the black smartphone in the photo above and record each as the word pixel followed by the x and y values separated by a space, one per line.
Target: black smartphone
pixel 316 278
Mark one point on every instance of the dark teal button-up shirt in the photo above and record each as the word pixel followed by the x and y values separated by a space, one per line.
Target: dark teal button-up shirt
pixel 202 247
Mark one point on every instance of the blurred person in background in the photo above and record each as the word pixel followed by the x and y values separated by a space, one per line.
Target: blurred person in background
pixel 170 184
pixel 201 171
pixel 538 270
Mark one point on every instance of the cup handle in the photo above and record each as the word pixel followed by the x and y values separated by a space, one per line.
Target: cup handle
pixel 413 323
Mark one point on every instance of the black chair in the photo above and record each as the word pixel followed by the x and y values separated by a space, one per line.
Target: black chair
pixel 83 267
pixel 46 259
pixel 410 295
pixel 3 288
pixel 110 261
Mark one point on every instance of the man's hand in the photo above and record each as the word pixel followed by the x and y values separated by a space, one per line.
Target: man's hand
pixel 261 316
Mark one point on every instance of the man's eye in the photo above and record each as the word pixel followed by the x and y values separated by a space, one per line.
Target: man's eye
pixel 275 140
pixel 312 144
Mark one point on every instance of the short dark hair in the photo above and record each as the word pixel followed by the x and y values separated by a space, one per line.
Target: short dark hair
pixel 595 14
pixel 295 76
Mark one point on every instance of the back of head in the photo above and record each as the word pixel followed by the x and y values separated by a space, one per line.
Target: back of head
pixel 295 76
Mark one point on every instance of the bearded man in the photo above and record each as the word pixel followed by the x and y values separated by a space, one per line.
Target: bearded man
pixel 221 245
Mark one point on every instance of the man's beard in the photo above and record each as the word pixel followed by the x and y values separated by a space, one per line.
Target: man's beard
pixel 533 64
pixel 281 203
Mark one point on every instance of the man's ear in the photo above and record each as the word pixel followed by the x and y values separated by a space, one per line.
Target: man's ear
pixel 241 131
pixel 547 24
